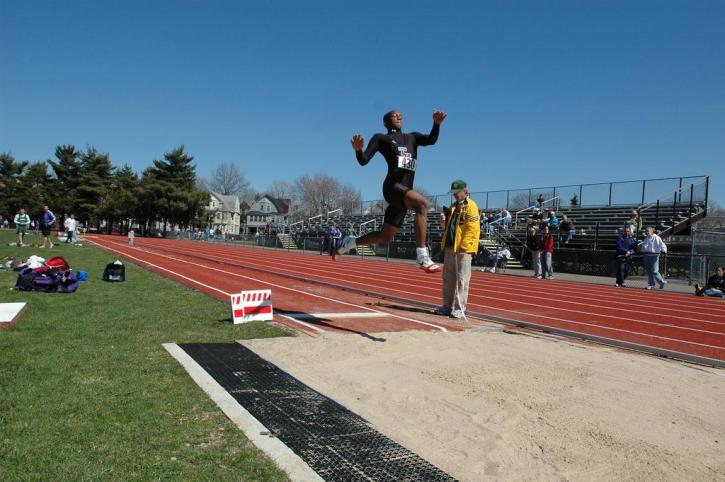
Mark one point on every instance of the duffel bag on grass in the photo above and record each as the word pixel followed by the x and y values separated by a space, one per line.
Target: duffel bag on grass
pixel 115 271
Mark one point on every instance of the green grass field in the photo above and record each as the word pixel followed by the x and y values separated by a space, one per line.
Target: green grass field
pixel 87 392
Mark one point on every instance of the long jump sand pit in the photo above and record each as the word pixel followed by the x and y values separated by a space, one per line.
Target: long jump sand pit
pixel 487 405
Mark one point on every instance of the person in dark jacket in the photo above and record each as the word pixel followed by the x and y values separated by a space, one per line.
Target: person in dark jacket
pixel 715 285
pixel 534 246
pixel 626 247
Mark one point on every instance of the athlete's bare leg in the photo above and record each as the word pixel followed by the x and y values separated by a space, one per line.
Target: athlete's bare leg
pixel 415 201
pixel 385 235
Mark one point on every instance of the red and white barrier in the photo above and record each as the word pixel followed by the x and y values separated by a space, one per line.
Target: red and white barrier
pixel 251 306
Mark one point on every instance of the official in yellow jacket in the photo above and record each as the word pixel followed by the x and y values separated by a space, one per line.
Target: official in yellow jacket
pixel 460 244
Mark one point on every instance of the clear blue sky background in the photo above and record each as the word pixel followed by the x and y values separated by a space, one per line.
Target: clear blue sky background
pixel 537 93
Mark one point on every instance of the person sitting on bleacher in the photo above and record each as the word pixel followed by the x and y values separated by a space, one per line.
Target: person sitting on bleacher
pixel 505 217
pixel 551 220
pixel 566 229
pixel 536 218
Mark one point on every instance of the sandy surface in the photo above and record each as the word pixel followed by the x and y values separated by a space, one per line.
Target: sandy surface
pixel 486 405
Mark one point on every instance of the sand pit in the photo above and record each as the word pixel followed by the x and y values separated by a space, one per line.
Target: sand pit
pixel 486 405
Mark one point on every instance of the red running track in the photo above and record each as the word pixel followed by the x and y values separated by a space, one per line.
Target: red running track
pixel 657 321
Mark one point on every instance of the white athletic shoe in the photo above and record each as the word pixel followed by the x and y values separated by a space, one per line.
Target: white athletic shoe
pixel 427 265
pixel 457 314
pixel 348 244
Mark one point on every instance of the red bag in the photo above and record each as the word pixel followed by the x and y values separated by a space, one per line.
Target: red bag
pixel 58 263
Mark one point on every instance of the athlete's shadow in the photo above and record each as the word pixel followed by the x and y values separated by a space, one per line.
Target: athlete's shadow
pixel 314 320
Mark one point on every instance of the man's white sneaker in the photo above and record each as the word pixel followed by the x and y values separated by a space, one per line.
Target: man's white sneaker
pixel 457 314
pixel 348 244
pixel 427 265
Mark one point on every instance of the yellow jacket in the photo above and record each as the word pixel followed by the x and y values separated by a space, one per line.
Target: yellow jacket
pixel 468 227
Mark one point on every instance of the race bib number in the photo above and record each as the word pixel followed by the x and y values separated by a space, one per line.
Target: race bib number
pixel 405 159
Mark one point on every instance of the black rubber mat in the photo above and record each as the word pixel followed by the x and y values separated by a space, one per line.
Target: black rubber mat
pixel 335 442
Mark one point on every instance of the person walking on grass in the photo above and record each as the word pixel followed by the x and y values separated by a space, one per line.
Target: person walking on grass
pixel 70 228
pixel 401 154
pixel 461 233
pixel 46 225
pixel 22 221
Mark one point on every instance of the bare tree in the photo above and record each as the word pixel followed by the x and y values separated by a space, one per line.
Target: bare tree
pixel 281 189
pixel 228 180
pixel 320 194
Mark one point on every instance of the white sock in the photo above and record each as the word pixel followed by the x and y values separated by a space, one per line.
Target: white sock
pixel 421 253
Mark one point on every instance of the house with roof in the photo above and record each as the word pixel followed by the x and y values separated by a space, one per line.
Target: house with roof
pixel 227 215
pixel 268 210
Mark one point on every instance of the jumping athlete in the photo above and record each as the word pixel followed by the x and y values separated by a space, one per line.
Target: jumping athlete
pixel 401 153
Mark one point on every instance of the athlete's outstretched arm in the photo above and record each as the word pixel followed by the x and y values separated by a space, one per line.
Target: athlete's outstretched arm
pixel 357 144
pixel 430 139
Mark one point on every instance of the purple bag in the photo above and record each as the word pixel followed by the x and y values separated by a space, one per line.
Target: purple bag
pixel 46 281
pixel 68 283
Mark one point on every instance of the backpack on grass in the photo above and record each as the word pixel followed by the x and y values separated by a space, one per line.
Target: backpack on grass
pixel 115 271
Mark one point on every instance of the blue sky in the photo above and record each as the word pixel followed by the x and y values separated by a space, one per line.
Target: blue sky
pixel 537 93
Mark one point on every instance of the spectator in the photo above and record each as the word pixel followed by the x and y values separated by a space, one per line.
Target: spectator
pixel 534 246
pixel 626 248
pixel 536 217
pixel 547 251
pixel 70 225
pixel 651 247
pixel 540 200
pixel 5 223
pixel 635 224
pixel 335 238
pixel 46 226
pixel 505 218
pixel 566 229
pixel 22 221
pixel 552 220
pixel 715 285
pixel 500 260
pixel 461 233
pixel 491 223
pixel 131 236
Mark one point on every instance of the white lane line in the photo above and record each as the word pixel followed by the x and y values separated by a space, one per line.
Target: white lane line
pixel 308 316
pixel 441 328
pixel 193 281
pixel 290 462
pixel 479 292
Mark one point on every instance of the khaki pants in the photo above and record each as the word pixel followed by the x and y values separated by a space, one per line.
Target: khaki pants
pixel 456 278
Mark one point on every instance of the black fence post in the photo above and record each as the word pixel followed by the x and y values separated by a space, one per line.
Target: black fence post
pixel 657 214
pixel 610 194
pixel 644 183
pixel 596 236
pixel 581 204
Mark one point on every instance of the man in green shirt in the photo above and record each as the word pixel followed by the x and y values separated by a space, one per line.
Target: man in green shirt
pixel 22 221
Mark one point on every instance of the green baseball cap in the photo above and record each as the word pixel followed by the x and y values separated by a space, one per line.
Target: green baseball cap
pixel 457 186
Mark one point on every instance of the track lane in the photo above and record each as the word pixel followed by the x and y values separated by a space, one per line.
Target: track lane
pixel 480 294
pixel 700 333
pixel 289 296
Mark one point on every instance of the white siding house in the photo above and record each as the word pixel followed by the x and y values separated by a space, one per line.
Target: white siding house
pixel 268 210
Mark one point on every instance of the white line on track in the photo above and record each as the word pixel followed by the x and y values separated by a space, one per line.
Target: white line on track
pixel 538 306
pixel 193 281
pixel 476 291
pixel 441 328
pixel 308 316
pixel 514 284
pixel 529 314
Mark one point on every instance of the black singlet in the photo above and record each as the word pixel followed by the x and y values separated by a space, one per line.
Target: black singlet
pixel 401 153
